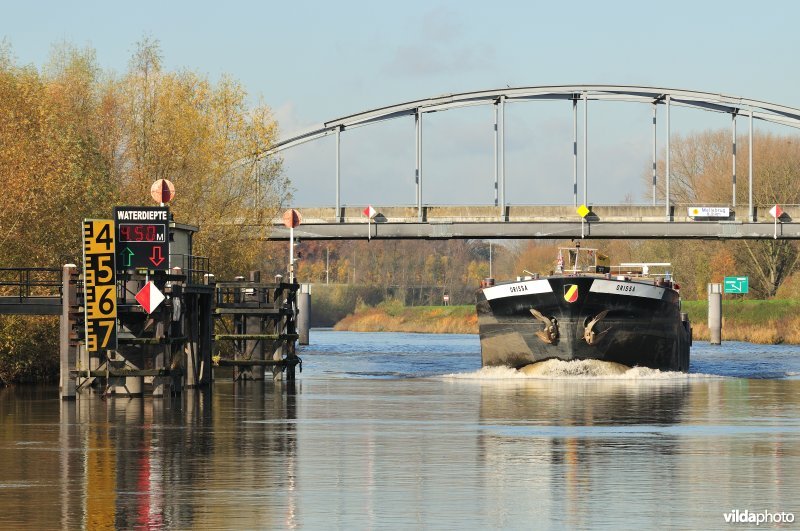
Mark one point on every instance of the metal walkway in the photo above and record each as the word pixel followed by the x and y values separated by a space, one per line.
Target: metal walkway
pixel 30 291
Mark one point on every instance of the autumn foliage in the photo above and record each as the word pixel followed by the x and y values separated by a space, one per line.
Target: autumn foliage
pixel 76 140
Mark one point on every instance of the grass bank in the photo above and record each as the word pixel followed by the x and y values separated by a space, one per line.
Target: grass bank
pixel 755 321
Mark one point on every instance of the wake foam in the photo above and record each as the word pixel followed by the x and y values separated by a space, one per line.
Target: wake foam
pixel 578 369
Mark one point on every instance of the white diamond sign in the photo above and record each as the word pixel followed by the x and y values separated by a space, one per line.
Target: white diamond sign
pixel 150 297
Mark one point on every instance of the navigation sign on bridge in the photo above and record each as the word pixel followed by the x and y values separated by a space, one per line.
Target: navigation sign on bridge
pixel 142 237
pixel 737 284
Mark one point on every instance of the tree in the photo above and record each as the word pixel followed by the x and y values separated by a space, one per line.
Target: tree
pixel 204 138
pixel 75 141
pixel 701 173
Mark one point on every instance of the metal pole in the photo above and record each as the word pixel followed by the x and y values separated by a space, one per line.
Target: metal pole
pixel 291 255
pixel 733 150
pixel 502 154
pixel 575 151
pixel 327 264
pixel 666 193
pixel 655 147
pixel 585 147
pixel 338 174
pixel 418 124
pixel 490 259
pixel 750 171
pixel 496 147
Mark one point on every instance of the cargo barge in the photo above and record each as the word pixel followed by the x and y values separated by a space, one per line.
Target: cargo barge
pixel 586 309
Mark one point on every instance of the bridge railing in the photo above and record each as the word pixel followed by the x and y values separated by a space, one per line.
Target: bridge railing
pixel 25 283
pixel 196 268
pixel 679 212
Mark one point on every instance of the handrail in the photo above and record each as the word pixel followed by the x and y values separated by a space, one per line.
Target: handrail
pixel 30 282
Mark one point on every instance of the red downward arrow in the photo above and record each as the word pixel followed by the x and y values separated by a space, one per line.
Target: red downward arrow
pixel 156 256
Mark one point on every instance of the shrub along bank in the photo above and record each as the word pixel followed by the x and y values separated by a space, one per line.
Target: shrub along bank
pixel 393 316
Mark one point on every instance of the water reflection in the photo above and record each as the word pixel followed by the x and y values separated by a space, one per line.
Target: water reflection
pixel 677 451
pixel 409 452
pixel 149 463
pixel 538 436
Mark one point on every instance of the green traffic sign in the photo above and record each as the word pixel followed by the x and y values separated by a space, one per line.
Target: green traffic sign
pixel 736 284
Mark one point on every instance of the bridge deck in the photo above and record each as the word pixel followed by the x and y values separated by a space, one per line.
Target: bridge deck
pixel 30 306
pixel 546 222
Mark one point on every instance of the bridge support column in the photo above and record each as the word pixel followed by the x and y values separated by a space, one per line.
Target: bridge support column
pixel 418 128
pixel 733 150
pixel 667 169
pixel 585 148
pixel 338 175
pixel 715 314
pixel 499 155
pixel 655 151
pixel 750 212
pixel 574 152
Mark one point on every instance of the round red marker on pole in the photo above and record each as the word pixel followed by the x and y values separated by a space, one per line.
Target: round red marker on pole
pixel 292 218
pixel 163 191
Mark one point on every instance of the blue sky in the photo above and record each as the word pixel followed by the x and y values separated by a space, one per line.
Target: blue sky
pixel 314 61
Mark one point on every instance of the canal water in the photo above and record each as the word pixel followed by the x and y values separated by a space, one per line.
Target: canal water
pixel 405 431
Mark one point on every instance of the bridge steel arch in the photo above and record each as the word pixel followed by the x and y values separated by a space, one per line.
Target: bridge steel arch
pixel 667 97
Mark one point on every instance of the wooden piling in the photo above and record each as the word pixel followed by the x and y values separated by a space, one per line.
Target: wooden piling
pixel 267 314
pixel 172 347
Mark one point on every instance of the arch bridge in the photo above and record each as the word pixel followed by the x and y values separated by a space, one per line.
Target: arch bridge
pixel 497 219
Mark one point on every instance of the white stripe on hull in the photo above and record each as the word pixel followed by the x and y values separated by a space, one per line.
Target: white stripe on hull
pixel 517 289
pixel 631 289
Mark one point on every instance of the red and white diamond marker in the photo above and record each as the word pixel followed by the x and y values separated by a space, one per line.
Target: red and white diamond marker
pixel 776 211
pixel 149 297
pixel 369 212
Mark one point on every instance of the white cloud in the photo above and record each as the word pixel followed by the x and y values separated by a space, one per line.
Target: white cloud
pixel 438 48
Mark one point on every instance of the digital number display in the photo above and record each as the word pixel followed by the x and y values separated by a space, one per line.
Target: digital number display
pixel 141 232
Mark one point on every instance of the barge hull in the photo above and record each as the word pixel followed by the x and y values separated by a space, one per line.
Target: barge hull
pixel 634 323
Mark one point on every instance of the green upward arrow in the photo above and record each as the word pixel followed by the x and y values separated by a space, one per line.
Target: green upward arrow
pixel 126 256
